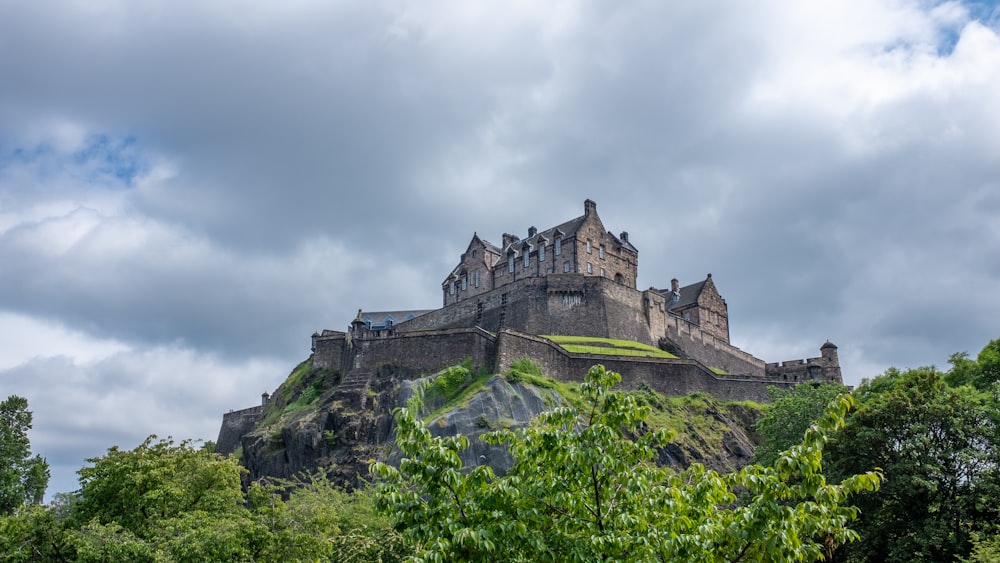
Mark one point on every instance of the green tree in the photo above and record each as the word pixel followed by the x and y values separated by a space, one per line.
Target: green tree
pixel 23 477
pixel 791 412
pixel 584 487
pixel 938 447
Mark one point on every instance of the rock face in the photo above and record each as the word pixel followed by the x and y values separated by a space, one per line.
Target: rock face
pixel 316 420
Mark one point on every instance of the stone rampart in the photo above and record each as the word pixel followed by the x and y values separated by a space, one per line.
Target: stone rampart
pixel 672 377
pixel 416 354
pixel 329 349
pixel 235 424
pixel 710 350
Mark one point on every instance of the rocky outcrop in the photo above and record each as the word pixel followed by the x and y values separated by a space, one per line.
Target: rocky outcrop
pixel 318 421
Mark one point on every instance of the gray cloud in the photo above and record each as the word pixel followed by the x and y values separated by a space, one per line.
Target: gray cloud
pixel 203 185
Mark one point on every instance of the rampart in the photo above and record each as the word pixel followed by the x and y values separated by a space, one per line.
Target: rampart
pixel 672 377
pixel 419 353
pixel 235 424
pixel 572 304
pixel 710 350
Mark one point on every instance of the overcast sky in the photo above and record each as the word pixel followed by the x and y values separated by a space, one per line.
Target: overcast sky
pixel 189 189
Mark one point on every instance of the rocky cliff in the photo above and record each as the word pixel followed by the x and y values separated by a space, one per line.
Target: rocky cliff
pixel 318 420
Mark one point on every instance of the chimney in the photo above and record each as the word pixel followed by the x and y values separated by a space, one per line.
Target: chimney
pixel 509 239
pixel 589 206
pixel 624 236
pixel 532 232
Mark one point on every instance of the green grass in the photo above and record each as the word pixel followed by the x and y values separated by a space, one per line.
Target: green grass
pixel 461 396
pixel 526 371
pixel 718 371
pixel 607 346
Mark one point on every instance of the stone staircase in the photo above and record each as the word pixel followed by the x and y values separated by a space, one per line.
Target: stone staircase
pixel 353 390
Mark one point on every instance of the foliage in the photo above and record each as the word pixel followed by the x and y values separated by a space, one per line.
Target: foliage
pixel 583 487
pixel 23 477
pixel 982 373
pixel 938 446
pixel 791 412
pixel 158 480
pixel 607 346
pixel 452 387
pixel 181 503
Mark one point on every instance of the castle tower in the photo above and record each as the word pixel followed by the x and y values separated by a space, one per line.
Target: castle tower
pixel 831 369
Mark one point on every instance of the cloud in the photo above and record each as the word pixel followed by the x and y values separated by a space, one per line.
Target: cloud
pixel 200 186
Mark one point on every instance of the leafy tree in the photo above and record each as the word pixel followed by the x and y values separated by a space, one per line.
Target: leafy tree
pixel 584 487
pixel 982 373
pixel 23 478
pixel 791 412
pixel 938 446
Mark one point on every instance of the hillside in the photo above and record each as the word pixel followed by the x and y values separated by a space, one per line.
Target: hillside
pixel 318 419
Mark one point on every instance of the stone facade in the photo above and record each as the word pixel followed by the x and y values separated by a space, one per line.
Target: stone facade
pixel 579 246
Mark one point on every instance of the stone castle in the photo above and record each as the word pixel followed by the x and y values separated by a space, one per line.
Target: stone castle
pixel 578 279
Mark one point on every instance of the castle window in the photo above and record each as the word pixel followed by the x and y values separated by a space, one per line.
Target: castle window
pixel 687 316
pixel 602 272
pixel 566 266
pixel 589 250
pixel 541 252
pixel 465 283
pixel 558 246
pixel 452 290
pixel 475 278
pixel 510 263
pixel 527 257
pixel 600 251
pixel 590 268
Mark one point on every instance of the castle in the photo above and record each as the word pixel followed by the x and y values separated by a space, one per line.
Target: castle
pixel 576 279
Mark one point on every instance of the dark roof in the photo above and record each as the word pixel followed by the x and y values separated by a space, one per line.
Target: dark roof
pixel 378 318
pixel 568 230
pixel 689 294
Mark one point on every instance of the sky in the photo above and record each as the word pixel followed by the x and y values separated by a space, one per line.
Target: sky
pixel 188 189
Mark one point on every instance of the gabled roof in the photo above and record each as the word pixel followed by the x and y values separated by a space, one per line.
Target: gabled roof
pixel 566 230
pixel 378 318
pixel 689 294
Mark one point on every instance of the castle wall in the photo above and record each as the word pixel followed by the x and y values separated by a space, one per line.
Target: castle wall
pixel 668 376
pixel 235 424
pixel 416 354
pixel 711 350
pixel 329 349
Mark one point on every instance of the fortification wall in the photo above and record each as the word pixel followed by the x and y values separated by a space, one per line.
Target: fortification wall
pixel 329 350
pixel 672 377
pixel 799 370
pixel 556 304
pixel 710 350
pixel 415 354
pixel 235 424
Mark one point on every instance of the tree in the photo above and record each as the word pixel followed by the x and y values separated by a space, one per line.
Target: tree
pixel 23 477
pixel 791 412
pixel 938 447
pixel 583 487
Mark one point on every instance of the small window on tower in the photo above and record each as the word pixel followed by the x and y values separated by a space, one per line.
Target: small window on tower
pixel 558 246
pixel 590 268
pixel 566 266
pixel 600 251
pixel 589 250
pixel 541 252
